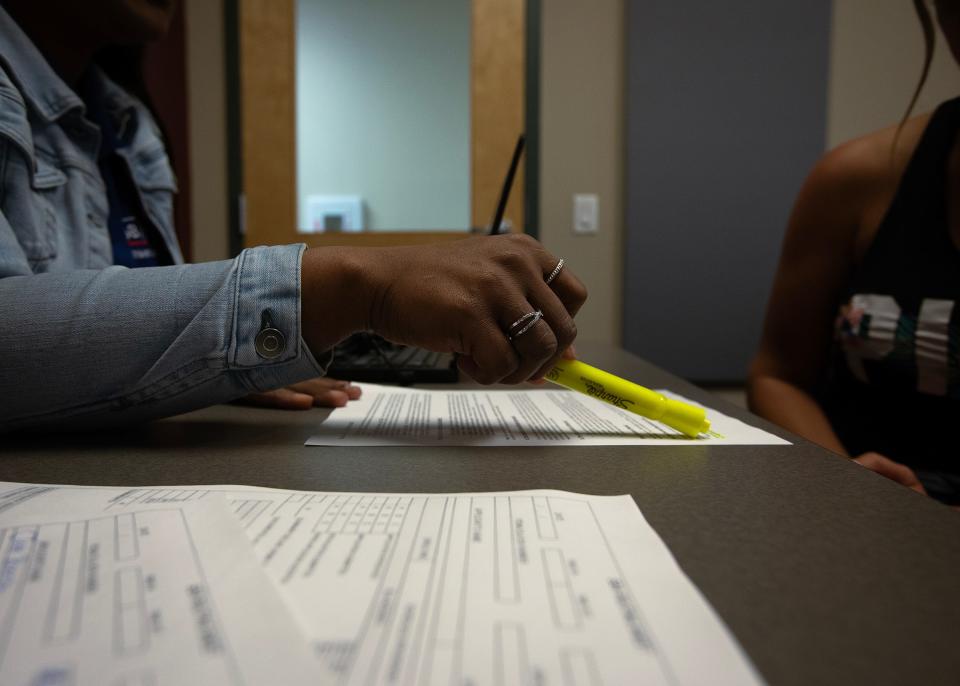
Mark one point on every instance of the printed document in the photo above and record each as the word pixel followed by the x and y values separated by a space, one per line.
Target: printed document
pixel 390 416
pixel 146 595
pixel 488 588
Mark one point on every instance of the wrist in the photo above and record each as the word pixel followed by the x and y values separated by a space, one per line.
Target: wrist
pixel 335 295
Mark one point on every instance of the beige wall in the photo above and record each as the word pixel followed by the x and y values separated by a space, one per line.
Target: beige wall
pixel 876 54
pixel 876 57
pixel 582 141
pixel 206 92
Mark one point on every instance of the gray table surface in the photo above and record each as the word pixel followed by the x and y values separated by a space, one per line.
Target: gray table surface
pixel 825 572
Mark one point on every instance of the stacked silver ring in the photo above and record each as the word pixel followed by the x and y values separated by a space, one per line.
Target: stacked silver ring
pixel 526 322
pixel 530 319
pixel 555 272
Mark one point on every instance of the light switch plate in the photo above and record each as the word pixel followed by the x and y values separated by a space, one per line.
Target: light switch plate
pixel 586 213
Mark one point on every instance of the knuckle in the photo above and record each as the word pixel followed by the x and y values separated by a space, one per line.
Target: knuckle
pixel 462 309
pixel 486 377
pixel 488 281
pixel 579 293
pixel 502 371
pixel 524 239
pixel 516 379
pixel 512 259
pixel 519 249
pixel 566 332
pixel 544 343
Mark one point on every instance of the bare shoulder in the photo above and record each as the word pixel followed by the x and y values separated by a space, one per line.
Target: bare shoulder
pixel 850 188
pixel 868 166
pixel 825 239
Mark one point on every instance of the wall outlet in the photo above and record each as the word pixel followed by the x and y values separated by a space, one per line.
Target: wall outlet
pixel 586 213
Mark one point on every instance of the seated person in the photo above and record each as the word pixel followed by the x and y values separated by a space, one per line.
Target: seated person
pixel 101 323
pixel 861 344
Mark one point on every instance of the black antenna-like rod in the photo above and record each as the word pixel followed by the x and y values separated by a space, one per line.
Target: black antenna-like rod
pixel 507 185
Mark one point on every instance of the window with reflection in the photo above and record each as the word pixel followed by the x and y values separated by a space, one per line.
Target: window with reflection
pixel 383 95
pixel 381 122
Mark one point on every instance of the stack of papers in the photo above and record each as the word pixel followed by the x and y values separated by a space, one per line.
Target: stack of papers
pixel 240 585
pixel 388 416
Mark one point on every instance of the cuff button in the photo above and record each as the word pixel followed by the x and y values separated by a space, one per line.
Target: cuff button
pixel 270 342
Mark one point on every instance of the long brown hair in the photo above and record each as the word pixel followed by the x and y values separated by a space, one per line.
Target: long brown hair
pixel 929 43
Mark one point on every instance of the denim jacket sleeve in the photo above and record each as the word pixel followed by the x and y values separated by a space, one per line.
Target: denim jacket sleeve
pixel 83 343
pixel 112 346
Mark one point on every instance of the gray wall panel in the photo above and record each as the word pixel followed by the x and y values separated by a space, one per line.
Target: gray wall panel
pixel 726 113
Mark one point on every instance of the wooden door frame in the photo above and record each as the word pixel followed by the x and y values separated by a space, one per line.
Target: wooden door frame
pixel 239 207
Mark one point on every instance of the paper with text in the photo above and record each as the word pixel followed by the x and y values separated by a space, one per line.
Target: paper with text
pixel 391 416
pixel 489 588
pixel 148 595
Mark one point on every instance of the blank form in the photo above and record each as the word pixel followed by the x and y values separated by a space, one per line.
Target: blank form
pixel 140 596
pixel 542 587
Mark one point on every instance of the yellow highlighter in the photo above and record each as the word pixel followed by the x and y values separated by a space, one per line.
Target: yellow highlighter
pixel 604 386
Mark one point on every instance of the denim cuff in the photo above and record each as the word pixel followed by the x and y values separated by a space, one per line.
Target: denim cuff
pixel 267 343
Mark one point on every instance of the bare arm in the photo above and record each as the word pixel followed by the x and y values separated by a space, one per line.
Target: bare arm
pixel 815 264
pixel 835 216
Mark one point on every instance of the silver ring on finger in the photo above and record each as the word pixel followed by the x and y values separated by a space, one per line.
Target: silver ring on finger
pixel 555 272
pixel 524 324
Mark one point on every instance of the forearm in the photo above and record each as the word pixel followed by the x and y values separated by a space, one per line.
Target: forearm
pixel 794 409
pixel 100 347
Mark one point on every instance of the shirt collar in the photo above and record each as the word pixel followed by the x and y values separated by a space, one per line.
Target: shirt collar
pixel 42 88
pixel 111 97
pixel 105 100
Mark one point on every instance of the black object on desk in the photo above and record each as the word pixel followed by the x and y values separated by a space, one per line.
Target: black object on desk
pixel 369 358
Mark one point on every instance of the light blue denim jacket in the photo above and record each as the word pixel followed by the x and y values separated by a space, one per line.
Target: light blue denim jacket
pixel 83 342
